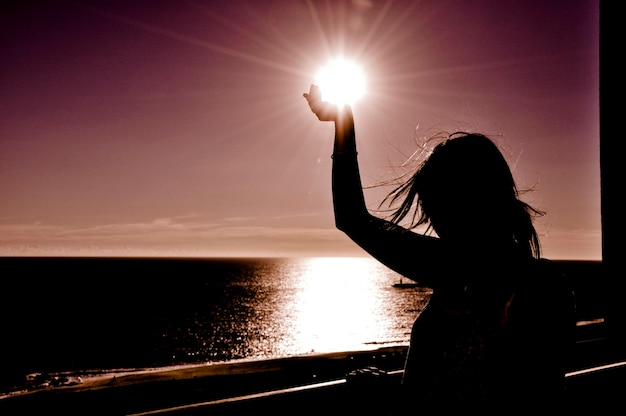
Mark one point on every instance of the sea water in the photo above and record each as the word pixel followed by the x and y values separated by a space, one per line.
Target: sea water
pixel 73 314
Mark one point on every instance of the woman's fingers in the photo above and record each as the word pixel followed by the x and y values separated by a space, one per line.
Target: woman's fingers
pixel 324 111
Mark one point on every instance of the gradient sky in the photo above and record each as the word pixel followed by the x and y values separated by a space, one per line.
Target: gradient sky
pixel 178 128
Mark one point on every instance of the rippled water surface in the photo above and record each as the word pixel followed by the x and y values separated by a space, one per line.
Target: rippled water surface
pixel 86 314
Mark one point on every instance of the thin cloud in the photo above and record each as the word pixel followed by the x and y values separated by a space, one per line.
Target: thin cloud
pixel 168 236
pixel 573 244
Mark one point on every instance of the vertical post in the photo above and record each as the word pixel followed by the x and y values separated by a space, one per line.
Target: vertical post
pixel 610 136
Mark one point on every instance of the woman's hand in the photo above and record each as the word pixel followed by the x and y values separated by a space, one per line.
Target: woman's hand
pixel 324 110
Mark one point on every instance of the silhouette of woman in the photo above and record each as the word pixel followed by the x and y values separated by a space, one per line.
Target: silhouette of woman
pixel 499 325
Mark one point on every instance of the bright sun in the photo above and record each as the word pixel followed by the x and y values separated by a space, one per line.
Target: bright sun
pixel 341 82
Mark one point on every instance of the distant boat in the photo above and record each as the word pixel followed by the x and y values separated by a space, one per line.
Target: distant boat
pixel 402 285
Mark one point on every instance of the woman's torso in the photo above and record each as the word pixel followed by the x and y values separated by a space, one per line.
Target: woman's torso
pixel 483 341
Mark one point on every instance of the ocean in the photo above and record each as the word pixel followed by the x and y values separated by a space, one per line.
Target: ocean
pixel 89 315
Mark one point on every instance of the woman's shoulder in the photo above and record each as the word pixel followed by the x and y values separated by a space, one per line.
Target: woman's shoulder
pixel 546 286
pixel 543 271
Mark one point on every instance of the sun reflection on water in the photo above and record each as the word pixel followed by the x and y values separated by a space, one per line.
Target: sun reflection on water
pixel 346 303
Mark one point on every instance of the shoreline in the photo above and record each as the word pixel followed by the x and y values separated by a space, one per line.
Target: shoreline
pixel 318 366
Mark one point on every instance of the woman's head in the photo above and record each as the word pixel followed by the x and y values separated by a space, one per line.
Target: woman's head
pixel 465 191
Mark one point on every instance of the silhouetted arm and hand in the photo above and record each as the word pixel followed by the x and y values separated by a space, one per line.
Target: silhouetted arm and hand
pixel 384 240
pixel 348 200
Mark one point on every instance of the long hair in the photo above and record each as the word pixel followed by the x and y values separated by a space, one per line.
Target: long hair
pixel 466 171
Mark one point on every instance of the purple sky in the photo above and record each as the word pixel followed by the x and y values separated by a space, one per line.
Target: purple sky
pixel 168 128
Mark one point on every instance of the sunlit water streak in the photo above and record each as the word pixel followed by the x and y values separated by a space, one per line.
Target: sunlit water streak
pixel 346 303
pixel 318 305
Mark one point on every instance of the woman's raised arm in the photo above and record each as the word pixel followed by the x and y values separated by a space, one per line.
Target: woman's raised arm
pixel 348 200
pixel 384 240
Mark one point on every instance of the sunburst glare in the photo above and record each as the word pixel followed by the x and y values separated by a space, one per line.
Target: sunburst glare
pixel 342 81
